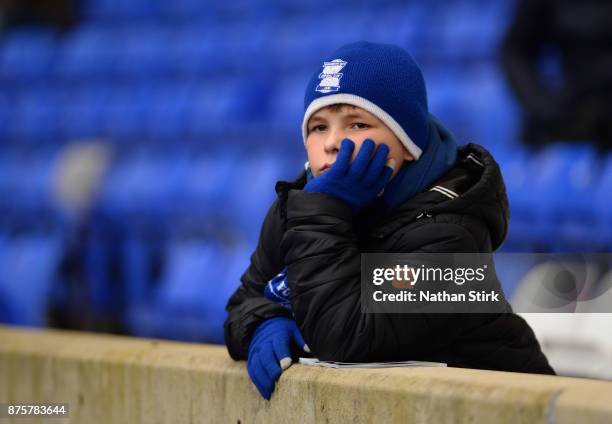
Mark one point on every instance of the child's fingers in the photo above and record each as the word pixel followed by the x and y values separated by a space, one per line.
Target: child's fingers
pixel 259 377
pixel 360 164
pixel 343 161
pixel 385 176
pixel 271 363
pixel 299 340
pixel 376 165
pixel 266 383
pixel 282 352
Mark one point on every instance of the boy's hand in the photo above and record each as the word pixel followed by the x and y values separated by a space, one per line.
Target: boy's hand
pixel 270 352
pixel 358 183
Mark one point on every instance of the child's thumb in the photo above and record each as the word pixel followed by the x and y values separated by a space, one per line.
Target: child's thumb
pixel 299 340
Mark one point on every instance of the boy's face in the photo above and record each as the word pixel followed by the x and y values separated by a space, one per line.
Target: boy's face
pixel 328 126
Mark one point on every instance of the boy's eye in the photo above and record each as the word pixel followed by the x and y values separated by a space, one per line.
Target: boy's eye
pixel 319 127
pixel 360 125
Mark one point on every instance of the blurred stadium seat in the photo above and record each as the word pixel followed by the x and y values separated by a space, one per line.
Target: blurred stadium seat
pixel 87 52
pixel 34 117
pixel 27 270
pixel 110 11
pixel 189 301
pixel 601 203
pixel 27 55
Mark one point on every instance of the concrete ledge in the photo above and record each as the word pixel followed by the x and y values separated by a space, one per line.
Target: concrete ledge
pixel 113 379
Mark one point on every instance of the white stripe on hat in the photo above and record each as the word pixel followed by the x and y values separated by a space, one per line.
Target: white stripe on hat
pixel 365 104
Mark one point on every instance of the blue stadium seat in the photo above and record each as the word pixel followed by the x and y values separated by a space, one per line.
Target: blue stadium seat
pixel 183 10
pixel 467 29
pixel 567 174
pixel 193 268
pixel 241 49
pixel 143 52
pixel 191 53
pixel 549 195
pixel 185 304
pixel 8 178
pixel 298 34
pixel 461 97
pixel 287 105
pixel 144 184
pixel 399 24
pixel 235 262
pixel 25 287
pixel 518 168
pixel 5 115
pixel 36 185
pixel 489 123
pixel 294 47
pixel 205 185
pixel 34 118
pixel 214 108
pixel 7 314
pixel 82 114
pixel 601 202
pixel 26 55
pixel 207 51
pixel 119 260
pixel 140 258
pixel 167 113
pixel 446 98
pixel 89 52
pixel 125 115
pixel 112 12
pixel 27 180
pixel 249 207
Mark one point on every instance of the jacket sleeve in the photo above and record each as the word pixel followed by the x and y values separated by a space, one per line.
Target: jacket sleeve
pixel 247 307
pixel 324 263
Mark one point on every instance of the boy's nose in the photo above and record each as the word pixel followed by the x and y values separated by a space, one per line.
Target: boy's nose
pixel 333 142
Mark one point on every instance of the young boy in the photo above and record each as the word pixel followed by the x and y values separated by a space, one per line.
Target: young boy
pixel 383 175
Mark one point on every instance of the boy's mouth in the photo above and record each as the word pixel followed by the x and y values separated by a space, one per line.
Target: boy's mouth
pixel 325 167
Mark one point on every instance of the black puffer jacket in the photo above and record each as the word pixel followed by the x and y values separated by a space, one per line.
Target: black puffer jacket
pixel 320 241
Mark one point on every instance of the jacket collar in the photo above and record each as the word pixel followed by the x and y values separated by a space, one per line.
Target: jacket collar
pixel 474 186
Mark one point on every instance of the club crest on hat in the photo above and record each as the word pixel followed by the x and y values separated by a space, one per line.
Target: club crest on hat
pixel 330 77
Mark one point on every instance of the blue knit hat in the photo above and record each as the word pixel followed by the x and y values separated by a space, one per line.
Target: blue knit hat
pixel 382 79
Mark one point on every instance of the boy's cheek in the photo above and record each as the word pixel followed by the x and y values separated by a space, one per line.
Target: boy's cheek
pixel 358 144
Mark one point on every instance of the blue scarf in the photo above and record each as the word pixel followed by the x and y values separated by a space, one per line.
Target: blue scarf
pixel 416 176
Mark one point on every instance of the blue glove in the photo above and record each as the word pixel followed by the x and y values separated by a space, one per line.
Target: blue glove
pixel 277 289
pixel 270 352
pixel 358 183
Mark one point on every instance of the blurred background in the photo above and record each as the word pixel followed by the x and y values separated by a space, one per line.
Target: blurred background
pixel 140 142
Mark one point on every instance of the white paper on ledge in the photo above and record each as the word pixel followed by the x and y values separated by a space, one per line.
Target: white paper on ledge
pixel 331 364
